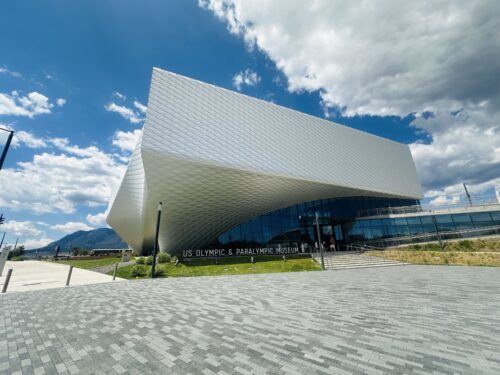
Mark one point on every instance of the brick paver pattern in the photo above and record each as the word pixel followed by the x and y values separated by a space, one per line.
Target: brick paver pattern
pixel 411 320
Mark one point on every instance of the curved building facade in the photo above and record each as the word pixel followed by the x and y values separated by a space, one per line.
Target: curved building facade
pixel 222 162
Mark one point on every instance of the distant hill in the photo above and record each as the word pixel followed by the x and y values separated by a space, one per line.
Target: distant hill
pixel 102 238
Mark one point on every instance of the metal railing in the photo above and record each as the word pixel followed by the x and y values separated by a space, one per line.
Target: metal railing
pixel 477 203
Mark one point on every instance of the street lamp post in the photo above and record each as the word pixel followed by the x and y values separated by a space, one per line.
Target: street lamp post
pixel 155 245
pixel 6 147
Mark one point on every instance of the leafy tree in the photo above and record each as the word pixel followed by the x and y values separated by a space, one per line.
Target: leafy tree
pixel 18 252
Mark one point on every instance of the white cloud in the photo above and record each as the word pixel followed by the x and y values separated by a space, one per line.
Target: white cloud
pixel 246 77
pixel 5 70
pixel 465 147
pixel 28 139
pixel 60 102
pixel 37 243
pixel 31 105
pixel 141 107
pixel 119 95
pixel 126 141
pixel 58 182
pixel 392 58
pixel 98 219
pixel 444 200
pixel 125 112
pixel 21 228
pixel 71 226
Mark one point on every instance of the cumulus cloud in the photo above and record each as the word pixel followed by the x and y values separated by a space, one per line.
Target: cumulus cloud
pixel 71 226
pixel 60 102
pixel 21 228
pixel 126 141
pixel 5 70
pixel 141 107
pixel 27 139
pixel 119 95
pixel 37 243
pixel 125 112
pixel 246 77
pixel 98 219
pixel 61 181
pixel 31 105
pixel 392 58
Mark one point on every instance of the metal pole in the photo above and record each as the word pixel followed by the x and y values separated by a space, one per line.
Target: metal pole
pixel 319 243
pixel 468 195
pixel 7 279
pixel 1 242
pixel 69 275
pixel 155 245
pixel 6 147
pixel 437 232
pixel 15 246
pixel 114 272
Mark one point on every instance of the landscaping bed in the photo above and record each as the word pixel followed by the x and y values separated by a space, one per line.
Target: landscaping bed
pixel 480 252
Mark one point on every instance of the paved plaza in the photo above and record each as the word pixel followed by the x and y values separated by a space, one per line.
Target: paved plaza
pixel 31 275
pixel 409 319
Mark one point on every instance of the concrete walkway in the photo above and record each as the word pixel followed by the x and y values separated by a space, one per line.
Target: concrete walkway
pixel 34 275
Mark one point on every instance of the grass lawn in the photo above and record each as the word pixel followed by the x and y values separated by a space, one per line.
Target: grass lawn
pixel 226 267
pixel 480 252
pixel 90 263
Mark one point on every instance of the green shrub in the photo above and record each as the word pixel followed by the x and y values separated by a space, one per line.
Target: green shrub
pixel 138 271
pixel 163 258
pixel 149 260
pixel 465 244
pixel 139 260
pixel 159 272
pixel 17 259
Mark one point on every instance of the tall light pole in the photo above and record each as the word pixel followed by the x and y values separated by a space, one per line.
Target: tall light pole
pixel 6 147
pixel 155 245
pixel 467 194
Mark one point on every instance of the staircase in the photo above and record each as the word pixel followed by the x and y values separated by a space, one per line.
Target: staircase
pixel 349 260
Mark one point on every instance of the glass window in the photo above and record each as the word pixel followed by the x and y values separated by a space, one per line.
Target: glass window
pixel 277 228
pixel 445 222
pixel 266 228
pixel 462 221
pixel 481 219
pixel 414 221
pixel 234 235
pixel 378 231
pixel 246 232
pixel 495 215
pixel 257 230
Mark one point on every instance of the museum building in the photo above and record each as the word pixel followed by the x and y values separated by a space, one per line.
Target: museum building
pixel 234 172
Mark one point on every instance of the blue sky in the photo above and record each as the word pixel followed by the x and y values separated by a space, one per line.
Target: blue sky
pixel 74 77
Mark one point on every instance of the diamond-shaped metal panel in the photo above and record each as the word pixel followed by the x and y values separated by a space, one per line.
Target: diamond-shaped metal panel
pixel 216 158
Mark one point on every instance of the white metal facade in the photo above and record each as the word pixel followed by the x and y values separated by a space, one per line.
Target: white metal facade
pixel 217 158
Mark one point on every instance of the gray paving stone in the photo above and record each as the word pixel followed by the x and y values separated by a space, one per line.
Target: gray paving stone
pixel 411 320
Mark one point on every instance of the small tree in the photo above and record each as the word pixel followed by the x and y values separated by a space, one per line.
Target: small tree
pixel 18 252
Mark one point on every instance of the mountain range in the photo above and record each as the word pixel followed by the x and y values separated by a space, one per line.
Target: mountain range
pixel 101 238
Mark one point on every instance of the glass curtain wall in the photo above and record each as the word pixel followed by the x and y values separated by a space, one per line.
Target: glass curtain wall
pixel 295 225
